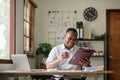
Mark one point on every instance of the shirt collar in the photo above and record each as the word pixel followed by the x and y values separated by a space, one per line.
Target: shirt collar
pixel 63 47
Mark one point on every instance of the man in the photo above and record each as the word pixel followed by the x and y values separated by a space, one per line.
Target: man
pixel 60 55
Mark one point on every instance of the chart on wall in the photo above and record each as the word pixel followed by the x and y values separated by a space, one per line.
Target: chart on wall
pixel 58 22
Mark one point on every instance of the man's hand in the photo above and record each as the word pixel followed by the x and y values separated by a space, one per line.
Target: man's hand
pixel 85 62
pixel 64 56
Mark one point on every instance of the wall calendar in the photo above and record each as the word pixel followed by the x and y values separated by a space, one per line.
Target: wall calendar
pixel 58 22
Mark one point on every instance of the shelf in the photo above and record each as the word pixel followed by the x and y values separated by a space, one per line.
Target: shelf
pixel 81 42
pixel 90 39
pixel 97 56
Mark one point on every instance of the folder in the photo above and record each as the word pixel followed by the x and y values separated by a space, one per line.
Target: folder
pixel 81 53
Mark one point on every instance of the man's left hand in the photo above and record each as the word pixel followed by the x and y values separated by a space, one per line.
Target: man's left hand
pixel 85 62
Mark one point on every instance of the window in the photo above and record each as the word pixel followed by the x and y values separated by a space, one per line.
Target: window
pixel 29 17
pixel 7 32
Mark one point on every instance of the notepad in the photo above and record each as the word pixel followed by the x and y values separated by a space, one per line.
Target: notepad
pixel 81 54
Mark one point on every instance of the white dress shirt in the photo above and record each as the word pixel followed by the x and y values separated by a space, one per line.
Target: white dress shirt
pixel 57 52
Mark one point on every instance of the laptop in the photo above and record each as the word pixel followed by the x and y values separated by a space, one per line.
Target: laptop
pixel 20 62
pixel 81 54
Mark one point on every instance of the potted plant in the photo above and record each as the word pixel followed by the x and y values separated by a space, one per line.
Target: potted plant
pixel 43 48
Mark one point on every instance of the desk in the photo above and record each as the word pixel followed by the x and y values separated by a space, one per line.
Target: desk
pixel 94 74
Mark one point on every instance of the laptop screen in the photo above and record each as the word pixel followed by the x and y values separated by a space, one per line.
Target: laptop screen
pixel 20 62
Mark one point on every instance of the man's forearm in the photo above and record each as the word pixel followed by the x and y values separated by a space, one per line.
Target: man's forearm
pixel 53 65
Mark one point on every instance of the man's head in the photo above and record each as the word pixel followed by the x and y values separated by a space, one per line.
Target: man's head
pixel 70 38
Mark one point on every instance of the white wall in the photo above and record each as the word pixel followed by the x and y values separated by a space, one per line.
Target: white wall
pixel 19 26
pixel 99 25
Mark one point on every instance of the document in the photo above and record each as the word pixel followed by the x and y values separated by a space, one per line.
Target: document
pixel 94 68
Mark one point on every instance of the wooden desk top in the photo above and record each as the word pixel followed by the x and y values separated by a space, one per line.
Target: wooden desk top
pixel 45 72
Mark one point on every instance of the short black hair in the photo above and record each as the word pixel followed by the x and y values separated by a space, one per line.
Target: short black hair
pixel 72 29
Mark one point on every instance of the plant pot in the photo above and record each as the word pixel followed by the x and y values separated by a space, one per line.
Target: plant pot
pixel 44 60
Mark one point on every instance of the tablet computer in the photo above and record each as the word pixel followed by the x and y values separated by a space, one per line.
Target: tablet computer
pixel 81 53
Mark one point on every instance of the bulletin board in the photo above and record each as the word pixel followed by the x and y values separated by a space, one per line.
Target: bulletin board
pixel 58 22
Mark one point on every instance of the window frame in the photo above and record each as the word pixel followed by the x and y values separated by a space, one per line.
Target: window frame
pixel 29 50
pixel 12 32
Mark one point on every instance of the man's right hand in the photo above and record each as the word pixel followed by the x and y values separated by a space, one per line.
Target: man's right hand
pixel 53 65
pixel 64 56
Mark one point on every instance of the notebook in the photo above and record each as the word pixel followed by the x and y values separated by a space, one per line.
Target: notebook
pixel 81 53
pixel 20 62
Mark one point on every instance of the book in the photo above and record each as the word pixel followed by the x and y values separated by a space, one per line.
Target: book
pixel 81 53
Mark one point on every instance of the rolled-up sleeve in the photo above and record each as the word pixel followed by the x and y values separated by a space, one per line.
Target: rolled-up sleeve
pixel 52 55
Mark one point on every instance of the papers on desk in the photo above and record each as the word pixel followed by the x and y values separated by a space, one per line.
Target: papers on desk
pixel 94 68
pixel 37 70
pixel 54 70
pixel 91 69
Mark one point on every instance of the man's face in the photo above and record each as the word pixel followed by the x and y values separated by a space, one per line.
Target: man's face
pixel 70 39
